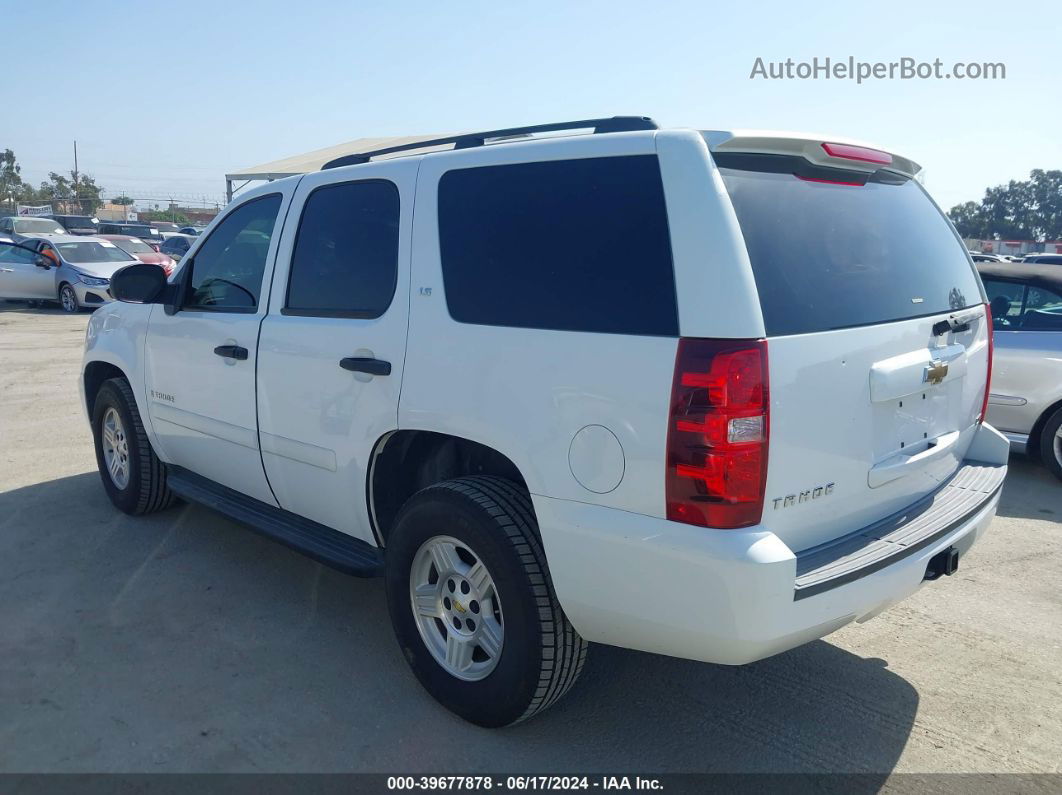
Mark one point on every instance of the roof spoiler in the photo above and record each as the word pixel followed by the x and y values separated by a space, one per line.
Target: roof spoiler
pixel 821 150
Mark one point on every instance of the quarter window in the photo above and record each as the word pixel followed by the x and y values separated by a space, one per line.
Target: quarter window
pixel 228 268
pixel 345 261
pixel 572 245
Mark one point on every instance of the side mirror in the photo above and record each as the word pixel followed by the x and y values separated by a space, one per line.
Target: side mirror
pixel 42 261
pixel 139 284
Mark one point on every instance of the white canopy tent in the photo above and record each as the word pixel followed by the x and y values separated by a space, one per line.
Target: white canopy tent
pixel 312 161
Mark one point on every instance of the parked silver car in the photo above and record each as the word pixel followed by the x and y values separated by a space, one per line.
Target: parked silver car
pixel 19 228
pixel 1026 393
pixel 73 270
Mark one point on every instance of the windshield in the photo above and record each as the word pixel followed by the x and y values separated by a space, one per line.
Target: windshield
pixel 91 251
pixel 38 226
pixel 829 255
pixel 134 246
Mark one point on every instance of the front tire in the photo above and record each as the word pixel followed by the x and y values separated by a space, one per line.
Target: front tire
pixel 133 476
pixel 68 299
pixel 473 605
pixel 1051 444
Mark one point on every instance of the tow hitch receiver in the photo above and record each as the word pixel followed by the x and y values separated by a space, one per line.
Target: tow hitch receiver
pixel 944 562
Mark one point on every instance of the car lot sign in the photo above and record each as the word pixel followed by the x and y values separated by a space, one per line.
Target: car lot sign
pixel 26 209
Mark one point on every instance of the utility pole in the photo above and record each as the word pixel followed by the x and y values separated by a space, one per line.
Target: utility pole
pixel 75 177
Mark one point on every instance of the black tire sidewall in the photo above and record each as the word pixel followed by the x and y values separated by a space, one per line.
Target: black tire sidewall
pixel 110 397
pixel 504 695
pixel 1047 444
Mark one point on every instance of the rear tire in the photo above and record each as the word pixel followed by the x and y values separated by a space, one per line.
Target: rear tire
pixel 489 527
pixel 1051 444
pixel 133 476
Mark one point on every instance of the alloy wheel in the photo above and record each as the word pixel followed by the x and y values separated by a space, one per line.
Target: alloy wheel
pixel 68 298
pixel 115 448
pixel 456 607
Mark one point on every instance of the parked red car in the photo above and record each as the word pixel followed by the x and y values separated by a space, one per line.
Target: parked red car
pixel 141 250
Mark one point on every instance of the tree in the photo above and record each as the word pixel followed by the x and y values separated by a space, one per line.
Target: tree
pixel 174 216
pixel 58 187
pixel 969 220
pixel 1026 210
pixel 10 176
pixel 123 200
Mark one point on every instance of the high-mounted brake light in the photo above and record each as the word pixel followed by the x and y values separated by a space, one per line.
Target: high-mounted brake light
pixel 988 374
pixel 717 434
pixel 861 153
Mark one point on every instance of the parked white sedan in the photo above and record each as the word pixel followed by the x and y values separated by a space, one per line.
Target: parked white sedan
pixel 73 270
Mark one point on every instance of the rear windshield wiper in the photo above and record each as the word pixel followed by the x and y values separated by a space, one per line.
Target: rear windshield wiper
pixel 957 321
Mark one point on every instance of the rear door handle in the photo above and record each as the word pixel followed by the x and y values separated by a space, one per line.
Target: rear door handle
pixel 370 366
pixel 231 352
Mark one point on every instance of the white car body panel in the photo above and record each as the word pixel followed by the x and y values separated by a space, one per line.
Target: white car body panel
pixel 202 406
pixel 527 396
pixel 318 422
pixel 541 397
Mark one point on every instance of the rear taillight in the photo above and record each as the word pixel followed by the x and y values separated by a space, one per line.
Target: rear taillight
pixel 988 373
pixel 717 433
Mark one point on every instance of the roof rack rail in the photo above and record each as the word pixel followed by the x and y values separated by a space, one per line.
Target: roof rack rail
pixel 469 140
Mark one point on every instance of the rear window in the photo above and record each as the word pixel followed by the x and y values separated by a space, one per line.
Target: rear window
pixel 76 222
pixel 829 256
pixel 570 245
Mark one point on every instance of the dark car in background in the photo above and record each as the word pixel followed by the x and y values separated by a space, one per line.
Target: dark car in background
pixel 145 232
pixel 77 224
pixel 177 245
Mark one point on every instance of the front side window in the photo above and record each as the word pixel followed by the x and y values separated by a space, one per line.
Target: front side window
pixel 227 270
pixel 17 254
pixel 570 245
pixel 345 261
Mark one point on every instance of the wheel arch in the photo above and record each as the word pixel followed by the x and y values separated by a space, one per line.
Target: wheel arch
pixel 1033 447
pixel 93 377
pixel 406 461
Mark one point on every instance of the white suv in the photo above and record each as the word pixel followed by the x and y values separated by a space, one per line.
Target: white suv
pixel 705 394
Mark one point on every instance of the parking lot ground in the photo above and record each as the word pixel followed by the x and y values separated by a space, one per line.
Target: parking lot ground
pixel 182 642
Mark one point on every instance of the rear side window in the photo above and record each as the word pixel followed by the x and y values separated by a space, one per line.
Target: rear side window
pixel 1020 307
pixel 828 255
pixel 345 261
pixel 571 245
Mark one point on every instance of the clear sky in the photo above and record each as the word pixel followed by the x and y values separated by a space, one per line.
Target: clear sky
pixel 165 99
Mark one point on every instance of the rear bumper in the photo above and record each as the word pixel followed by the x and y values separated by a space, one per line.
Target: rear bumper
pixel 727 596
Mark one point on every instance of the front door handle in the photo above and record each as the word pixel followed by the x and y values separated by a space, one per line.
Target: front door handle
pixel 370 366
pixel 231 352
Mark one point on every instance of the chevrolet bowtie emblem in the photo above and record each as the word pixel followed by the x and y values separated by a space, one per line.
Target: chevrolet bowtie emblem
pixel 460 607
pixel 935 372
